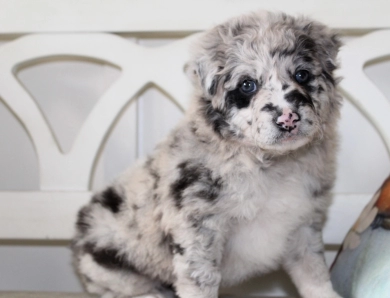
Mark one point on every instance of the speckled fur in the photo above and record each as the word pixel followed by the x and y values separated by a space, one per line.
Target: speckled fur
pixel 229 194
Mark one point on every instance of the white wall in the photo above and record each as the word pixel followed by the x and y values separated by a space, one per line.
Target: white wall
pixel 66 90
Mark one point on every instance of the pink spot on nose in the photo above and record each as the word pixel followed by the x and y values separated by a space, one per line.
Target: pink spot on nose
pixel 288 120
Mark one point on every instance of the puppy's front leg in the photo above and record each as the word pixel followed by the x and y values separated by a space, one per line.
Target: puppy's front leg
pixel 196 265
pixel 306 265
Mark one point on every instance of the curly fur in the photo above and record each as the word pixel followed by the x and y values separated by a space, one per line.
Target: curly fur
pixel 235 190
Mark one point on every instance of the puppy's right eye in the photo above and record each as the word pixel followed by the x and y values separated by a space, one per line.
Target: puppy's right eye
pixel 302 76
pixel 248 86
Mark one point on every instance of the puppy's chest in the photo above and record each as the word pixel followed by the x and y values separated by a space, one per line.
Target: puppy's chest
pixel 253 192
pixel 266 211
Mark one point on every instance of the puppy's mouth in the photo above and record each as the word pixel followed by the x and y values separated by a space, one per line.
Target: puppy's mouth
pixel 289 136
pixel 295 137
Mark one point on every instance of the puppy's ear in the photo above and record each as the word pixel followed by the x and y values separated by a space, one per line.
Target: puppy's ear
pixel 203 76
pixel 191 72
pixel 209 59
pixel 328 44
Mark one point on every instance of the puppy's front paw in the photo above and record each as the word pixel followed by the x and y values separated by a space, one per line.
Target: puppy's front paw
pixel 325 291
pixel 333 295
pixel 323 295
pixel 156 295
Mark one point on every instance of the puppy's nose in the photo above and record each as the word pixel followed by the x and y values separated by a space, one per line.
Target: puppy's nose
pixel 288 121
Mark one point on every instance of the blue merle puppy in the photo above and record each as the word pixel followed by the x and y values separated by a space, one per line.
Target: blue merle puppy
pixel 241 186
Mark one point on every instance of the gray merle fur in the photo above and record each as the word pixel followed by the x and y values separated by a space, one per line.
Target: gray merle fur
pixel 241 186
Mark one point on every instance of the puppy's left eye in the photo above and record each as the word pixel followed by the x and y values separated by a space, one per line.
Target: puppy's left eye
pixel 248 86
pixel 302 76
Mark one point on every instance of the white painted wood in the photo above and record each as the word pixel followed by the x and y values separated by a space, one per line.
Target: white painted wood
pixel 40 215
pixel 140 67
pixel 21 16
pixel 358 87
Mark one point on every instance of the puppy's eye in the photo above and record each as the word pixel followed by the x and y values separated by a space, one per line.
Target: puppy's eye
pixel 302 76
pixel 248 86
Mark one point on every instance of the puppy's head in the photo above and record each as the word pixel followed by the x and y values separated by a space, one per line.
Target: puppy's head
pixel 266 80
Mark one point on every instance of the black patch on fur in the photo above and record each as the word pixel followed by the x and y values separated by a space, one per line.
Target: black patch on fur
pixel 174 248
pixel 273 110
pixel 191 174
pixel 285 86
pixel 298 99
pixel 269 107
pixel 213 86
pixel 109 199
pixel 320 89
pixel 307 59
pixel 305 45
pixel 239 99
pixel 166 239
pixel 216 118
pixel 82 223
pixel 177 249
pixel 169 287
pixel 309 88
pixel 211 192
pixel 110 258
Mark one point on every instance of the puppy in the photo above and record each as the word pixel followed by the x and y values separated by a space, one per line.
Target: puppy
pixel 241 186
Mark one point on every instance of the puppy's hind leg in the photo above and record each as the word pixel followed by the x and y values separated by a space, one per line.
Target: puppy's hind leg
pixel 112 282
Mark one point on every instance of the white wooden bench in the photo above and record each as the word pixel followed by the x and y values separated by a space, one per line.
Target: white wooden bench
pixel 98 31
